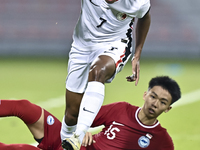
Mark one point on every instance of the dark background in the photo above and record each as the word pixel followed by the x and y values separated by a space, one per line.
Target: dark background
pixel 45 27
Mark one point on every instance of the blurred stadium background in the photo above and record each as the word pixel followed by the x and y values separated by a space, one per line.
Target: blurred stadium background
pixel 35 38
pixel 44 28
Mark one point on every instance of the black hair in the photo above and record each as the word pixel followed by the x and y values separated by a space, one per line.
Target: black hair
pixel 168 84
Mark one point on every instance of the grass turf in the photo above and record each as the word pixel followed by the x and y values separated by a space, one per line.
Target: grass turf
pixel 41 79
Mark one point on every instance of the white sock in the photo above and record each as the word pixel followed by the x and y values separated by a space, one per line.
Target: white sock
pixel 90 105
pixel 66 131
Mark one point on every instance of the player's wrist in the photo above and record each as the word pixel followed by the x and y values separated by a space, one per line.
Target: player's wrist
pixel 135 58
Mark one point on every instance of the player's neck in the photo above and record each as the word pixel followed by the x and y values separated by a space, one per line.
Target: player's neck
pixel 145 120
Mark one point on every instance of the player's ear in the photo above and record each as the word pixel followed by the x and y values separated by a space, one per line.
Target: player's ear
pixel 144 95
pixel 168 109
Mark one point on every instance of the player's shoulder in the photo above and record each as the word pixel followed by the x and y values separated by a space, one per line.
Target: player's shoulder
pixel 136 8
pixel 163 131
pixel 167 139
pixel 121 103
pixel 121 106
pixel 136 3
pixel 124 104
pixel 141 2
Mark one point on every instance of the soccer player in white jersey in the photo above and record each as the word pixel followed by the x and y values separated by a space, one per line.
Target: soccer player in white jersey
pixel 102 44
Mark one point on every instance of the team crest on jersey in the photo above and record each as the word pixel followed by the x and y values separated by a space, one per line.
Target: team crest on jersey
pixel 121 16
pixel 143 141
pixel 50 120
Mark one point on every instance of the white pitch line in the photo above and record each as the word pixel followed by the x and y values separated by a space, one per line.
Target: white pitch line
pixel 52 103
pixel 188 98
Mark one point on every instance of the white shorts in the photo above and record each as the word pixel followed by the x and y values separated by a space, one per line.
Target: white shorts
pixel 80 61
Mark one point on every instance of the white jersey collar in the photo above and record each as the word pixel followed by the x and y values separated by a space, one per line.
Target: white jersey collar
pixel 141 124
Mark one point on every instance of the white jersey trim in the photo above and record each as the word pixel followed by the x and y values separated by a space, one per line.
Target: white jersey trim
pixel 144 126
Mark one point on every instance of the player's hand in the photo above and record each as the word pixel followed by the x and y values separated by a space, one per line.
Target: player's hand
pixel 135 71
pixel 88 140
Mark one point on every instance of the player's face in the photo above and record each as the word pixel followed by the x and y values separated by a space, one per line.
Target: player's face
pixel 157 101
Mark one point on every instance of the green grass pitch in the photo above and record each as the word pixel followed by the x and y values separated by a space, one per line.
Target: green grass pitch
pixel 42 81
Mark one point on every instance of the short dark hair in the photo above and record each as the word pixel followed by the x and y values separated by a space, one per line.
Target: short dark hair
pixel 168 84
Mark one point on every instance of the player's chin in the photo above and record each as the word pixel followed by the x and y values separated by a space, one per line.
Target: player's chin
pixel 151 113
pixel 110 1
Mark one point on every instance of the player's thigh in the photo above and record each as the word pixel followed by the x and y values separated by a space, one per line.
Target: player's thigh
pixel 78 70
pixel 120 52
pixel 102 69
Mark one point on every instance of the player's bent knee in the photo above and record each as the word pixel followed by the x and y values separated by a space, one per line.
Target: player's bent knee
pixel 100 74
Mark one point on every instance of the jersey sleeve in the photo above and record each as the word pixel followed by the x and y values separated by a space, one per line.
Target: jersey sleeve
pixel 106 113
pixel 102 115
pixel 136 8
pixel 167 143
pixel 143 10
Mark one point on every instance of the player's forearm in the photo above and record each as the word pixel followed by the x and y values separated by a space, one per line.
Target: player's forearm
pixel 142 29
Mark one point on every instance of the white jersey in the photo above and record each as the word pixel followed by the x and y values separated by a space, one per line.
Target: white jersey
pixel 101 22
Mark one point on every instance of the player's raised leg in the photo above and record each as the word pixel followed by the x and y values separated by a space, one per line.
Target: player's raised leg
pixel 69 122
pixel 28 112
pixel 101 70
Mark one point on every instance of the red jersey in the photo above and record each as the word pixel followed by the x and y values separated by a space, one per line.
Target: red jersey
pixel 123 130
pixel 52 127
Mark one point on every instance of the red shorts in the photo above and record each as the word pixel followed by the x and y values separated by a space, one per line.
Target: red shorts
pixel 52 127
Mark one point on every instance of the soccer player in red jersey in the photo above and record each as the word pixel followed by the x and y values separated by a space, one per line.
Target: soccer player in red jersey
pixel 44 127
pixel 134 128
pixel 126 126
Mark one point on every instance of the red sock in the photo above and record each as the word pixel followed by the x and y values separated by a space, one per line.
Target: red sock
pixel 25 110
pixel 17 147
